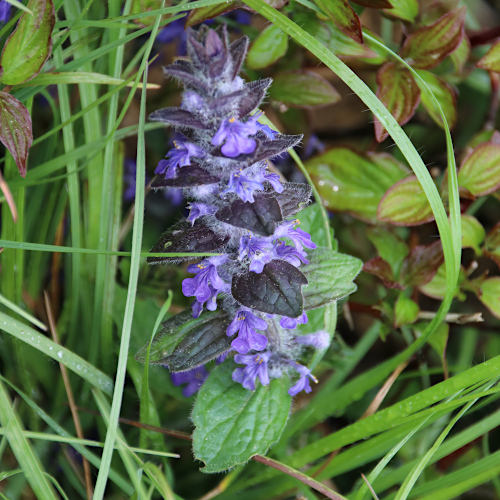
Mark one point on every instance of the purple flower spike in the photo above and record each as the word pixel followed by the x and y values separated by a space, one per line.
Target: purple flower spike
pixel 258 250
pixel 256 367
pixel 197 210
pixel 206 273
pixel 243 186
pixel 180 156
pixel 235 134
pixel 291 323
pixel 289 253
pixel 299 237
pixel 303 383
pixel 246 323
pixel 193 378
pixel 318 340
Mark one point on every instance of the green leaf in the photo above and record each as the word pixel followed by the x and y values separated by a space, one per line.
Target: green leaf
pixel 30 45
pixel 140 6
pixel 267 48
pixel 389 246
pixel 15 129
pixel 382 269
pixel 197 16
pixel 303 89
pixel 437 287
pixel 354 183
pixel 460 56
pixel 492 244
pixel 158 479
pixel 426 47
pixel 480 170
pixel 491 60
pixel 375 4
pixel 407 10
pixel 490 295
pixel 399 93
pixel 232 423
pixel 185 342
pixel 439 339
pixel 330 275
pixel 405 204
pixel 436 87
pixel 405 311
pixel 311 221
pixel 343 15
pixel 473 233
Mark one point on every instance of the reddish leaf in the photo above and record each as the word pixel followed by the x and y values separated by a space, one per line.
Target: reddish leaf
pixel 429 45
pixel 399 93
pixel 489 295
pixel 491 60
pixel 15 129
pixel 374 4
pixel 405 204
pixel 343 15
pixel 197 16
pixel 422 264
pixel 480 170
pixel 492 244
pixel 382 269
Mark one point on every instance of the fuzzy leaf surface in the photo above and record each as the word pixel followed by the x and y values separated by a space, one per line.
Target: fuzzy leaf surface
pixel 354 183
pixel 405 204
pixel 276 290
pixel 343 15
pixel 426 47
pixel 30 45
pixel 303 89
pixel 267 48
pixel 185 342
pixel 294 198
pixel 330 275
pixel 399 93
pixel 15 129
pixel 233 424
pixel 188 176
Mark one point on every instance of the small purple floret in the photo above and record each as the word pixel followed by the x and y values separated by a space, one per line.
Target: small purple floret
pixel 243 186
pixel 256 367
pixel 291 323
pixel 299 237
pixel 258 250
pixel 180 156
pixel 197 210
pixel 303 383
pixel 289 253
pixel 246 323
pixel 235 135
pixel 193 378
pixel 318 340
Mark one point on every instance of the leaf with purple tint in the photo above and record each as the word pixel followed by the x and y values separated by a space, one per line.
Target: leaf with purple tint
pixel 238 51
pixel 30 45
pixel 426 47
pixel 15 129
pixel 270 148
pixel 405 204
pixel 182 71
pixel 184 342
pixel 399 93
pixel 187 239
pixel 422 264
pixel 259 217
pixel 343 15
pixel 382 269
pixel 277 290
pixel 255 92
pixel 189 176
pixel 303 89
pixel 492 244
pixel 330 275
pixel 177 117
pixel 294 198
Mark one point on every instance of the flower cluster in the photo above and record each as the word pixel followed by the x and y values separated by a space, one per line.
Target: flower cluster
pixel 239 210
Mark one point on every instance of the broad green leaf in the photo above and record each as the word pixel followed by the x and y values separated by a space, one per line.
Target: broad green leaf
pixel 407 10
pixel 185 342
pixel 436 288
pixel 15 129
pixel 490 295
pixel 405 204
pixel 354 183
pixel 30 45
pixel 232 423
pixel 399 93
pixel 422 264
pixel 443 92
pixel 197 16
pixel 473 233
pixel 460 56
pixel 439 339
pixel 343 15
pixel 491 60
pixel 311 221
pixel 405 311
pixel 480 170
pixel 389 246
pixel 303 89
pixel 267 48
pixel 426 47
pixel 330 275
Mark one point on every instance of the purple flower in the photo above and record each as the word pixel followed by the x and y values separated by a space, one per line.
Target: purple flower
pixel 246 323
pixel 258 250
pixel 314 145
pixel 291 323
pixel 5 9
pixel 193 378
pixel 299 237
pixel 206 274
pixel 243 186
pixel 289 253
pixel 303 383
pixel 274 180
pixel 211 300
pixel 270 133
pixel 180 156
pixel 256 367
pixel 318 340
pixel 197 210
pixel 129 177
pixel 235 134
pixel 174 32
pixel 220 359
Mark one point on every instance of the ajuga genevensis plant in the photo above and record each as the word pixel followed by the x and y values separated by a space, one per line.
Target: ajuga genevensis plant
pixel 264 273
